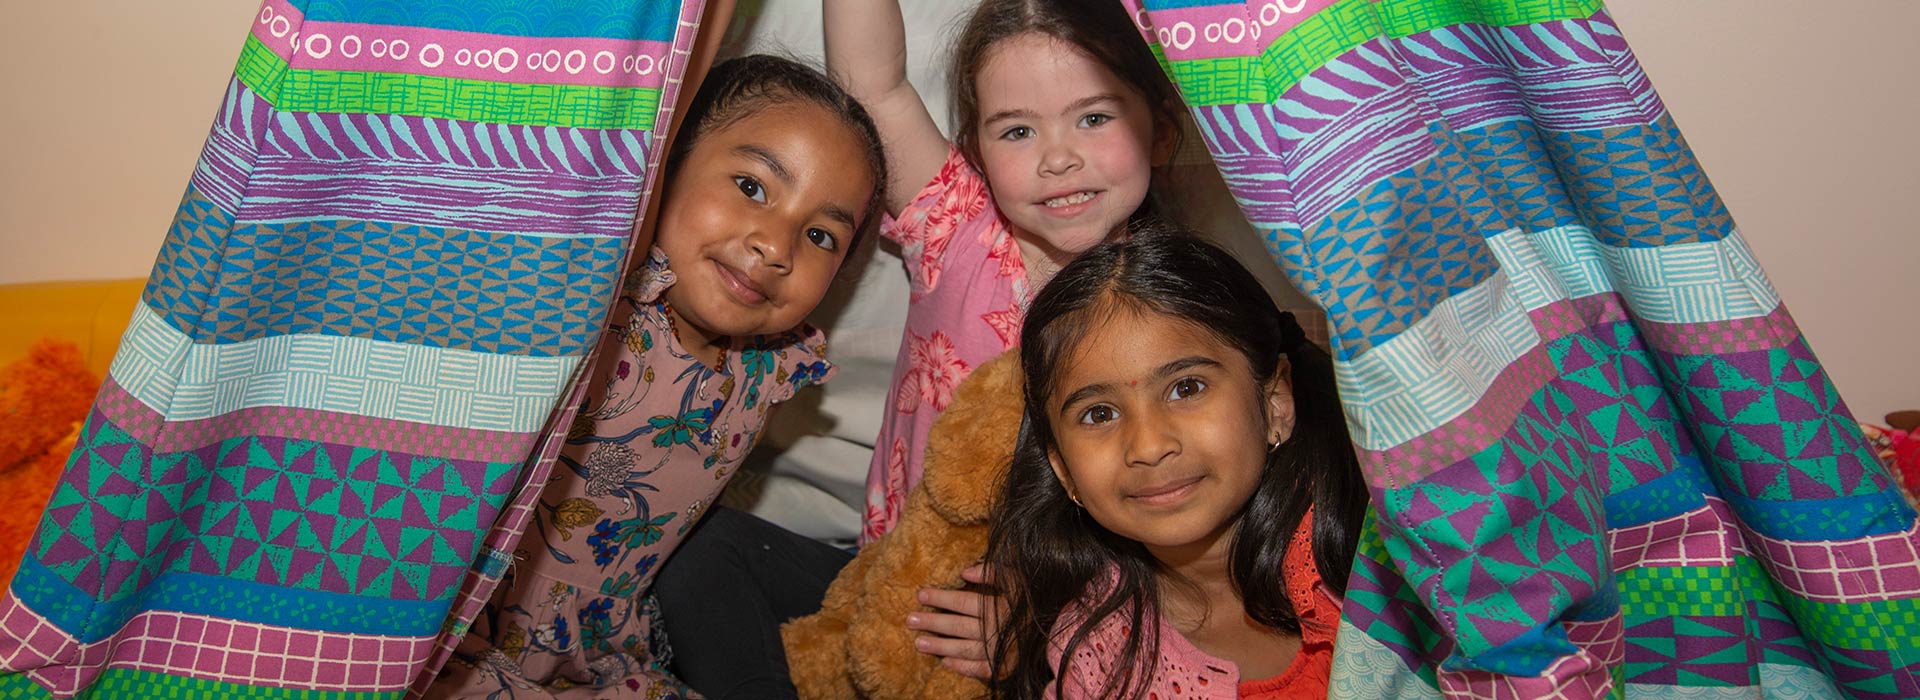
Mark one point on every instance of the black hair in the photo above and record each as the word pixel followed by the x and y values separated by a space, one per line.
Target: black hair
pixel 735 87
pixel 1051 557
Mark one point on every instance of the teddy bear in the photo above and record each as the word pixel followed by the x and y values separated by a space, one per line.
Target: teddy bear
pixel 43 399
pixel 858 645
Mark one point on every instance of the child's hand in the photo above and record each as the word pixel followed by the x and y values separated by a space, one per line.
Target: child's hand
pixel 960 635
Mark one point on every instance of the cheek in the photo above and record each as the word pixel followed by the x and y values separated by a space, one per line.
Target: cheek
pixel 1127 158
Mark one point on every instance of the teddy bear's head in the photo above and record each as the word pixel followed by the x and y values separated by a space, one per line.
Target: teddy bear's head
pixel 971 444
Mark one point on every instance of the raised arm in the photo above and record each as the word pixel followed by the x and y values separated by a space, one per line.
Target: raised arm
pixel 867 54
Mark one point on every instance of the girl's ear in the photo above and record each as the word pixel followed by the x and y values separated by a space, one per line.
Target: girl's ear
pixel 1060 472
pixel 1280 415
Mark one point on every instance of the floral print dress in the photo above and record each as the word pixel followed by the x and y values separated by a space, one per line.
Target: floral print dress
pixel 659 437
pixel 969 296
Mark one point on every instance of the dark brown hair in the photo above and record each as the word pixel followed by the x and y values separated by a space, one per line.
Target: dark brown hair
pixel 1101 28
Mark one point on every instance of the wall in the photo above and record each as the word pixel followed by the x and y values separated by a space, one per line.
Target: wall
pixel 1803 116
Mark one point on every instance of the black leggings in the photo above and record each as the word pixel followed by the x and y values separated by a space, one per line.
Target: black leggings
pixel 725 593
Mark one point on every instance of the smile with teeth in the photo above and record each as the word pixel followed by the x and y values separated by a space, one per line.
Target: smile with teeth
pixel 1069 200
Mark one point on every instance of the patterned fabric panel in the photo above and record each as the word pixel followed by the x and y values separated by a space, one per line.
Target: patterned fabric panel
pixel 1603 458
pixel 390 266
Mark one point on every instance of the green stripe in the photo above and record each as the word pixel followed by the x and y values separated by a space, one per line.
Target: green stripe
pixel 1407 17
pixel 1650 593
pixel 1339 28
pixel 130 683
pixel 350 92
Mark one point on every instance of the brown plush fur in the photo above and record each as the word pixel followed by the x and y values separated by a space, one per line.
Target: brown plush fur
pixel 858 645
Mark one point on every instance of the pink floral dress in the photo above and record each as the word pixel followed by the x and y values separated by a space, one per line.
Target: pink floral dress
pixel 658 438
pixel 969 296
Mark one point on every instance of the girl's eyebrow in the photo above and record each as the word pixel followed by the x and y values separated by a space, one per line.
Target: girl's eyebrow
pixel 767 158
pixel 1166 370
pixel 1077 105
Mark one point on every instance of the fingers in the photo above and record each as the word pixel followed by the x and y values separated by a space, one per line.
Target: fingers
pixel 947 648
pixel 956 626
pixel 962 602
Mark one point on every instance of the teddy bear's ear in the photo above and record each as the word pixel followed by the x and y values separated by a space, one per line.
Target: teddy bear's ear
pixel 971 444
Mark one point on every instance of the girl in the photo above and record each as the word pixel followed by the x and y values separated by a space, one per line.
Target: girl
pixel 1184 501
pixel 758 212
pixel 1061 115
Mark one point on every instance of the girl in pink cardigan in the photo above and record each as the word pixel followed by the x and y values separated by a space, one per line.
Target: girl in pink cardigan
pixel 1183 492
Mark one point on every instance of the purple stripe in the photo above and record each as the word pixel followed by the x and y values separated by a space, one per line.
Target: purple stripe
pixel 146 425
pixel 1564 81
pixel 441 195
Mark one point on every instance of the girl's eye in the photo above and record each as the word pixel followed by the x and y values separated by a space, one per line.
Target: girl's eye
pixel 822 238
pixel 1186 388
pixel 1097 414
pixel 1095 119
pixel 1016 133
pixel 751 188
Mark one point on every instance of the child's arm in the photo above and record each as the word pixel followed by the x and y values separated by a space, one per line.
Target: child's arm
pixel 867 53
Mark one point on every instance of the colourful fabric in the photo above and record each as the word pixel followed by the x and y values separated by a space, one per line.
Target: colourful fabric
pixel 1602 457
pixel 658 438
pixel 402 238
pixel 969 296
pixel 1185 671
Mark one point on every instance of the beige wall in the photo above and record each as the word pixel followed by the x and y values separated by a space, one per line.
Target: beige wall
pixel 1803 115
pixel 106 105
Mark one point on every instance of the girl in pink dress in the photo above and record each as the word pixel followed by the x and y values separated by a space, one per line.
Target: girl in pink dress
pixel 759 210
pixel 1061 116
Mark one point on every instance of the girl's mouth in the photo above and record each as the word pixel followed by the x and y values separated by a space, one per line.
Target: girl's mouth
pixel 741 286
pixel 1168 493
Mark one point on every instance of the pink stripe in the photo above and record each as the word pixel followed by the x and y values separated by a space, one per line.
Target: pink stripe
pixel 1770 332
pixel 1702 537
pixel 444 53
pixel 1225 31
pixel 277 26
pixel 418 439
pixel 1881 567
pixel 209 648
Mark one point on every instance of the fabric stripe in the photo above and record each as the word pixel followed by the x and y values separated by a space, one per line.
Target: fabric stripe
pixel 442 195
pixel 546 104
pixel 1221 59
pixel 165 370
pixel 213 596
pixel 197 646
pixel 607 19
pixel 374 48
pixel 1415 382
pixel 144 424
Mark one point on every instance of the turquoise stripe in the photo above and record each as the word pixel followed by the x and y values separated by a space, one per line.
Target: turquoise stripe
pixel 651 20
pixel 88 620
pixel 167 371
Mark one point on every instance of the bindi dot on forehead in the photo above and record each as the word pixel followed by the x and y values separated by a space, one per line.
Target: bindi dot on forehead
pixel 1134 382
